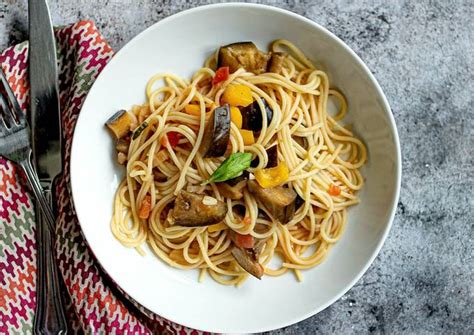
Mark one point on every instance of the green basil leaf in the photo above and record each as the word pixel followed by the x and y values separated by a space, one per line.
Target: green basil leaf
pixel 232 167
pixel 139 130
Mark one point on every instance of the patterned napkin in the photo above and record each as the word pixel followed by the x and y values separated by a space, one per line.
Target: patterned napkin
pixel 96 305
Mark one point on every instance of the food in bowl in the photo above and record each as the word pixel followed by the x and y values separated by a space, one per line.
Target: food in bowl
pixel 240 164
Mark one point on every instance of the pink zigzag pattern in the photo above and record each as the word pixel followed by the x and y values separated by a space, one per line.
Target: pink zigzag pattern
pixel 17 252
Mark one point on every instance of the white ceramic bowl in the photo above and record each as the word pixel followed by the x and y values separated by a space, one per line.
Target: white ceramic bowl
pixel 179 44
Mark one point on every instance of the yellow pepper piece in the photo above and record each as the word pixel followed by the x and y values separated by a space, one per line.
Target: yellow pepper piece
pixel 193 109
pixel 247 136
pixel 272 177
pixel 237 95
pixel 236 116
pixel 217 227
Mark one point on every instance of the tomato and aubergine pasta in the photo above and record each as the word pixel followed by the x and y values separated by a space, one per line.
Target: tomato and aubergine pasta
pixel 318 159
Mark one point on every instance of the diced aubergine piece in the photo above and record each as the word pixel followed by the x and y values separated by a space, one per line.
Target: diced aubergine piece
pixel 258 248
pixel 119 123
pixel 276 62
pixel 298 202
pixel 234 181
pixel 245 55
pixel 197 210
pixel 246 260
pixel 252 116
pixel 234 192
pixel 272 154
pixel 279 201
pixel 139 130
pixel 216 133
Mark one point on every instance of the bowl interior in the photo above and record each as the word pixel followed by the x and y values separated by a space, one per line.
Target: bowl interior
pixel 180 45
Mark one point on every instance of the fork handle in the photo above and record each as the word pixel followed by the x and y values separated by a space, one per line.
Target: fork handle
pixel 41 200
pixel 49 317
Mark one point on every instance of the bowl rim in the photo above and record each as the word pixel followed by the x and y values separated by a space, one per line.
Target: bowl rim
pixel 278 324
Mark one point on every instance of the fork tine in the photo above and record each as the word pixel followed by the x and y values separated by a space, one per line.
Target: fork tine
pixel 7 115
pixel 20 117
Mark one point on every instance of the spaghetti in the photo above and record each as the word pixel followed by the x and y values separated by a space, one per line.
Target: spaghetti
pixel 323 158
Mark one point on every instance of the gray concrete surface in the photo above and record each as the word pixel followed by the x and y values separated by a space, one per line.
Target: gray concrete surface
pixel 422 53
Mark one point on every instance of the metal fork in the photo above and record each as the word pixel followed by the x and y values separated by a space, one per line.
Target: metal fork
pixel 15 144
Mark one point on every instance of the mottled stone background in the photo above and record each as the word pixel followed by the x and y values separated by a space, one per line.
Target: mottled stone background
pixel 422 53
